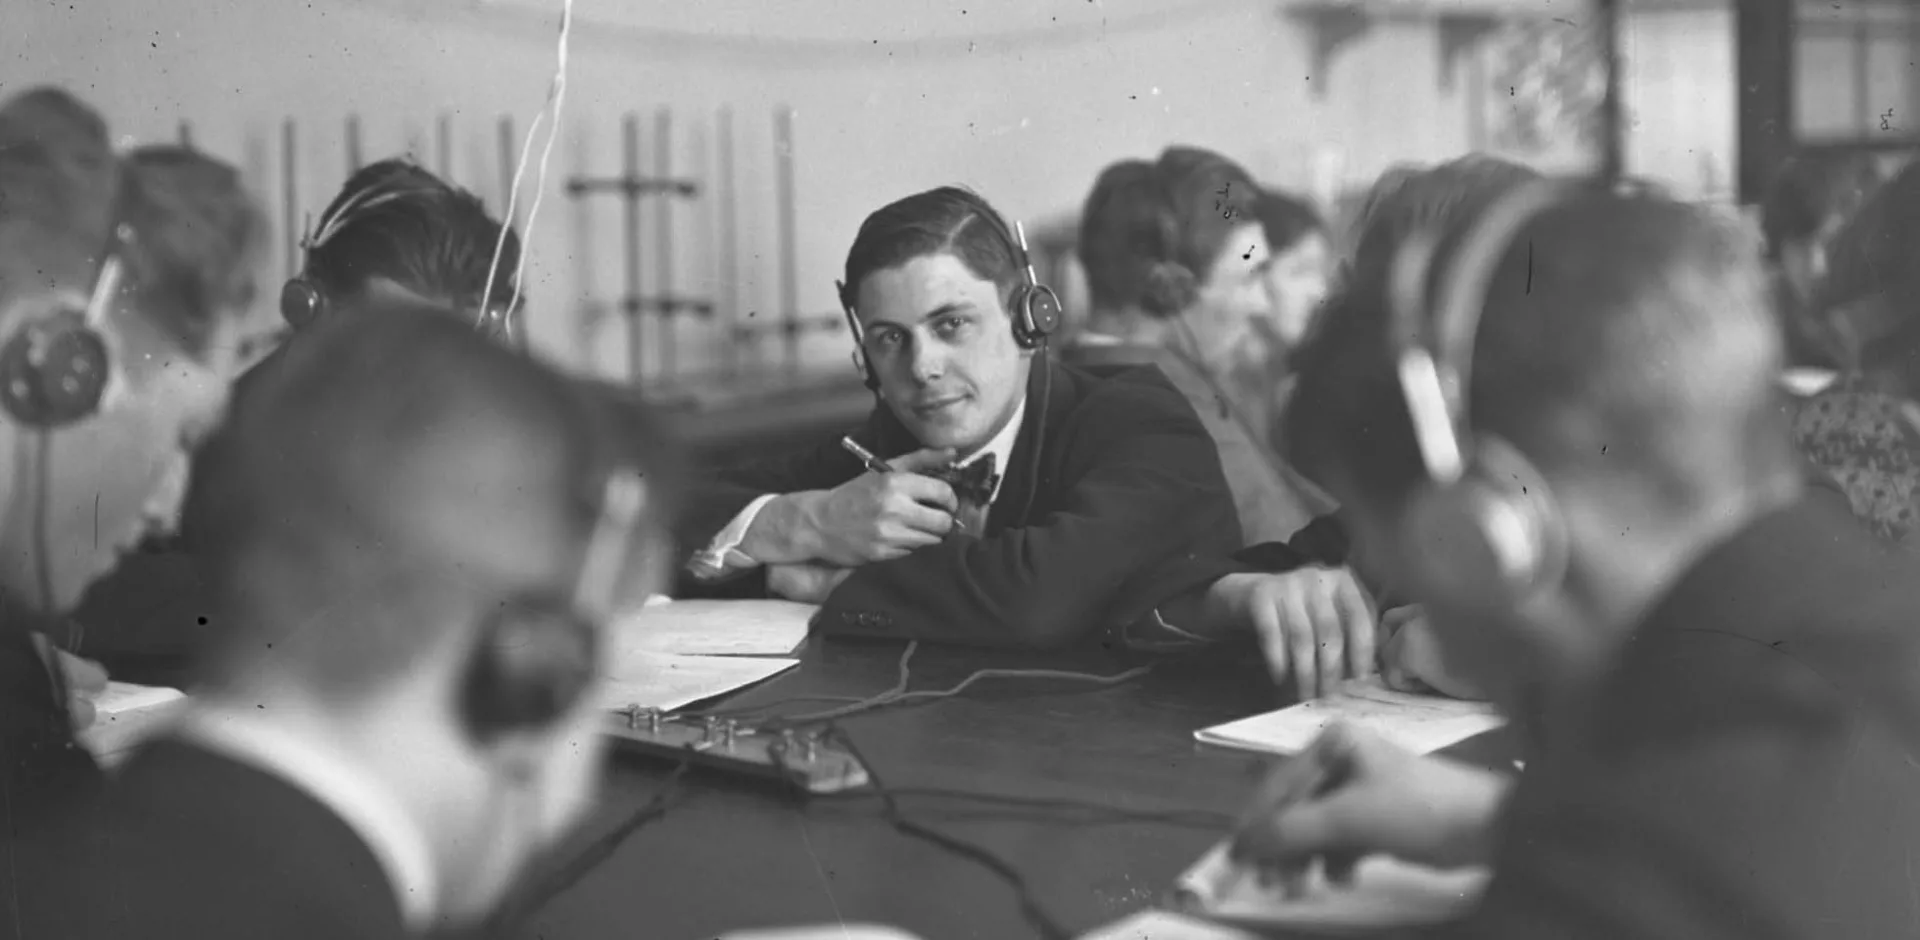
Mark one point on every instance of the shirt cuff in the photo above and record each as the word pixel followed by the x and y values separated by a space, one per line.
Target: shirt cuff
pixel 722 558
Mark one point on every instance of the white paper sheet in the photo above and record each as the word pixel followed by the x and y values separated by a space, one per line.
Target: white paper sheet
pixel 715 628
pixel 1166 925
pixel 822 932
pixel 126 714
pixel 665 681
pixel 1419 723
pixel 1385 892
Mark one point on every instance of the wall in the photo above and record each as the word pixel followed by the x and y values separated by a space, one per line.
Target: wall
pixel 1023 99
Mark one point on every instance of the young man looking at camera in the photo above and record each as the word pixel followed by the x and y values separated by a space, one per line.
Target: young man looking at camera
pixel 1094 499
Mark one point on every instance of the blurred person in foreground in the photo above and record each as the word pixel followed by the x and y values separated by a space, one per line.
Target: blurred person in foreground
pixel 394 232
pixel 119 309
pixel 1609 525
pixel 419 539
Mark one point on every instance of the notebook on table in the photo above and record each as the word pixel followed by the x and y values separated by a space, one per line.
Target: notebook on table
pixel 1420 723
pixel 715 628
pixel 127 714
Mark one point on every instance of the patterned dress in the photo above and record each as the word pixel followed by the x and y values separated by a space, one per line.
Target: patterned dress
pixel 1869 441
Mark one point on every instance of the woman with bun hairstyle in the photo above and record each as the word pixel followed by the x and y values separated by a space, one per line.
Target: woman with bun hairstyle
pixel 1175 260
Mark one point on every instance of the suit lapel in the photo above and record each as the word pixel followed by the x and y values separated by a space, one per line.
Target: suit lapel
pixel 1050 397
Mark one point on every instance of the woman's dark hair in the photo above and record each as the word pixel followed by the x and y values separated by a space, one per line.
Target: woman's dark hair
pixel 1150 231
pixel 1812 190
pixel 1286 220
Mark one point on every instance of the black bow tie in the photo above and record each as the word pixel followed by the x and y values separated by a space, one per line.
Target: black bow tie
pixel 974 483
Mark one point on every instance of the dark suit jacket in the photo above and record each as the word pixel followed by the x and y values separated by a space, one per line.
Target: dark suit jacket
pixel 186 843
pixel 40 763
pixel 1130 508
pixel 1749 768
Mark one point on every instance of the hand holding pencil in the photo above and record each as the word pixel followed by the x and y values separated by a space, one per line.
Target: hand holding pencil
pixel 1353 793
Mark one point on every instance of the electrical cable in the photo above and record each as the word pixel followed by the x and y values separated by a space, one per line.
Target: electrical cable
pixel 590 856
pixel 1030 907
pixel 556 96
pixel 899 693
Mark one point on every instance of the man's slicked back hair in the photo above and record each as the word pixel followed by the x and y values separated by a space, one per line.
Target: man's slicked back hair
pixel 437 240
pixel 1634 328
pixel 948 220
pixel 393 477
pixel 1407 199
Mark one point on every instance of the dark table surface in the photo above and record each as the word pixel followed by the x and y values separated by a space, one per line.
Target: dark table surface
pixel 731 853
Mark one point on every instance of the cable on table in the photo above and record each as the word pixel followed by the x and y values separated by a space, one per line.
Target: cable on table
pixel 899 693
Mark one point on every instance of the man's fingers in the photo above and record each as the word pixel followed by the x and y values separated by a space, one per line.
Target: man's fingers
pixel 1357 623
pixel 83 675
pixel 918 518
pixel 1297 624
pixel 1273 641
pixel 1293 834
pixel 925 491
pixel 81 713
pixel 1330 642
pixel 921 460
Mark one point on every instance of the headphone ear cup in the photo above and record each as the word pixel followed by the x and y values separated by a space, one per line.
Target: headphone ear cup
pixel 301 302
pixel 1039 315
pixel 1497 529
pixel 54 371
pixel 531 665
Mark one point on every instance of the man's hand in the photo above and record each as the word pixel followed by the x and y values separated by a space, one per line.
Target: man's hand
pixel 85 681
pixel 1352 793
pixel 1315 624
pixel 1411 659
pixel 809 584
pixel 882 516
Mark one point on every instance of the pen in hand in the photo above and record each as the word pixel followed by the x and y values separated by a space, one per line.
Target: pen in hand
pixel 877 465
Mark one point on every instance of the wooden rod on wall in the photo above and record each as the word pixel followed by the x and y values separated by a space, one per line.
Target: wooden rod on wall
pixel 663 236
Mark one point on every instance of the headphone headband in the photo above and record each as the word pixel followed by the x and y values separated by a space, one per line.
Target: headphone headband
pixel 1435 354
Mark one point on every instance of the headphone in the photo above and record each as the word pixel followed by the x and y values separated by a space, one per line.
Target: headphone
pixel 55 369
pixel 538 653
pixel 303 301
pixel 1035 308
pixel 1484 515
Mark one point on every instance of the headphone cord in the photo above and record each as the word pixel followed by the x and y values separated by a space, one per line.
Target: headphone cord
pixel 1030 907
pixel 899 693
pixel 1039 431
pixel 43 575
pixel 578 865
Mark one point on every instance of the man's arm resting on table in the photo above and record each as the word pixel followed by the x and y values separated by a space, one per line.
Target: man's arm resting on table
pixel 1151 517
pixel 774 529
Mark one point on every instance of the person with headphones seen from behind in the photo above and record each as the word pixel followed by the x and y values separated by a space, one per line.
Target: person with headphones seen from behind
pixel 393 231
pixel 1610 524
pixel 396 231
pixel 995 496
pixel 114 340
pixel 420 537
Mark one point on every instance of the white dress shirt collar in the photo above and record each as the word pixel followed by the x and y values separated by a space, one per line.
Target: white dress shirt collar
pixel 373 813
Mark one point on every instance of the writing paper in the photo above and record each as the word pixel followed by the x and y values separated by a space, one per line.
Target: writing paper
pixel 1419 723
pixel 1385 892
pixel 1166 925
pixel 126 714
pixel 666 681
pixel 715 628
pixel 823 932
